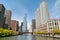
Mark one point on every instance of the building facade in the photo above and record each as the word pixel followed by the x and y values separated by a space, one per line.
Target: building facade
pixel 20 27
pixel 33 25
pixel 30 28
pixel 53 24
pixel 7 18
pixel 2 18
pixel 24 28
pixel 42 16
pixel 14 25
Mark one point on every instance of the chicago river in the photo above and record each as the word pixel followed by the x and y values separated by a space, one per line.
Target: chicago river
pixel 27 37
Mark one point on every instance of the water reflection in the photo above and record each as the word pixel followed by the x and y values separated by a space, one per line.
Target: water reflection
pixel 8 38
pixel 45 38
pixel 25 37
pixel 28 37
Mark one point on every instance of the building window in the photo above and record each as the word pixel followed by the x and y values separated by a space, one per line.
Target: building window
pixel 56 23
pixel 0 13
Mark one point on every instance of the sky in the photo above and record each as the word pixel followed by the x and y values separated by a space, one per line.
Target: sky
pixel 20 7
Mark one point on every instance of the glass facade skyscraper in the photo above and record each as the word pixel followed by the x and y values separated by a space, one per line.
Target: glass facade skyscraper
pixel 24 28
pixel 2 18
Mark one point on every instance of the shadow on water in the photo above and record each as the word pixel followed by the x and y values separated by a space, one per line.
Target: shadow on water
pixel 28 37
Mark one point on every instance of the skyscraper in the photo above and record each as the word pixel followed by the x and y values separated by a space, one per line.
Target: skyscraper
pixel 2 18
pixel 42 15
pixel 7 18
pixel 14 25
pixel 33 25
pixel 20 27
pixel 24 28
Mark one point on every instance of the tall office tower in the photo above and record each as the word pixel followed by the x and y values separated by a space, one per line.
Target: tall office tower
pixel 14 25
pixel 42 15
pixel 20 27
pixel 7 19
pixel 24 28
pixel 33 25
pixel 2 11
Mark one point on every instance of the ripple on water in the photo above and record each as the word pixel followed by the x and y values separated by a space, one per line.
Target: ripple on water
pixel 28 37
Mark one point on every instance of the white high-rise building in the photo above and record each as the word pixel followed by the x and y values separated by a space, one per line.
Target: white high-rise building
pixel 42 15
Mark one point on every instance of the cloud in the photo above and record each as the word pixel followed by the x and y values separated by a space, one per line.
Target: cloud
pixel 55 11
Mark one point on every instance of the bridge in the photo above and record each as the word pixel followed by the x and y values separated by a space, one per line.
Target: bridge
pixel 25 32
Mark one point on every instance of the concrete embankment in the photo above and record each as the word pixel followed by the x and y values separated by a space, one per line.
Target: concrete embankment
pixel 52 36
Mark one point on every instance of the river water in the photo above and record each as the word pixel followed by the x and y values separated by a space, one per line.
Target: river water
pixel 27 37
